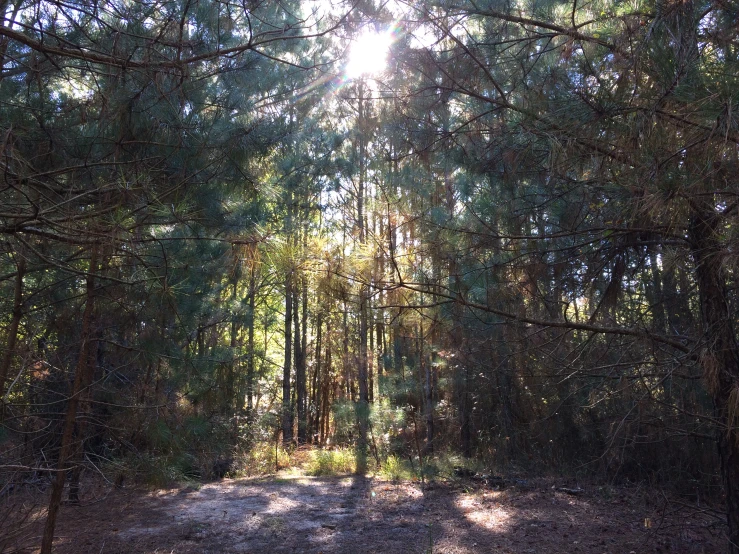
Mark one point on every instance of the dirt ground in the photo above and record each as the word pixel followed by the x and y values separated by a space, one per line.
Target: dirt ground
pixel 357 515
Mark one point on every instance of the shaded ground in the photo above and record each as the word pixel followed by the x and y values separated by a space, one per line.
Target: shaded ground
pixel 358 515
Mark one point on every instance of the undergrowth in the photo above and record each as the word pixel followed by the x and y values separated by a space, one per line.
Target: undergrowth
pixel 330 462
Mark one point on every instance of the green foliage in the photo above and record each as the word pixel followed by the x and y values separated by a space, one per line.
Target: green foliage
pixel 262 458
pixel 345 422
pixel 397 469
pixel 159 471
pixel 185 446
pixel 517 202
pixel 387 422
pixel 337 461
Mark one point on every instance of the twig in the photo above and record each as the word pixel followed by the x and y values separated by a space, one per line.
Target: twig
pixel 374 445
pixel 98 470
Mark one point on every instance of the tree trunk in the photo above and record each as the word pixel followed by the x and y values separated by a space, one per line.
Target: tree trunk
pixel 80 436
pixel 300 373
pixel 15 322
pixel 250 347
pixel 370 353
pixel 80 377
pixel 465 408
pixel 656 299
pixel 362 376
pixel 326 396
pixel 232 399
pixel 363 369
pixel 287 412
pixel 428 365
pixel 720 355
pixel 317 379
pixel 348 374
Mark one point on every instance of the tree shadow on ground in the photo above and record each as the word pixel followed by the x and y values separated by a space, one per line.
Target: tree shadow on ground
pixel 356 514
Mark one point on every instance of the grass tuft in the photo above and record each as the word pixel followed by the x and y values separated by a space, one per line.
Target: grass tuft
pixel 330 462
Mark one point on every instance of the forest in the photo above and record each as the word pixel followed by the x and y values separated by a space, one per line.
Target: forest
pixel 503 232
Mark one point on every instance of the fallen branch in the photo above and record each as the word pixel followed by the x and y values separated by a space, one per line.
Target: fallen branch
pixel 572 492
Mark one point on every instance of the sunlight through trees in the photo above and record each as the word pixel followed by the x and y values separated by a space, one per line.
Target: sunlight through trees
pixel 504 231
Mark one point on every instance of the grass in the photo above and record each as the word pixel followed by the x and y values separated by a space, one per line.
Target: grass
pixel 275 524
pixel 266 458
pixel 330 462
pixel 396 469
pixel 262 459
pixel 342 461
pixel 437 466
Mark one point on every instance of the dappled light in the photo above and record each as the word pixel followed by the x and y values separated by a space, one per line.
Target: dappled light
pixel 484 511
pixel 421 276
pixel 343 514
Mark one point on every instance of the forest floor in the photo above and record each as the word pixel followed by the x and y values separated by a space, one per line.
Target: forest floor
pixel 349 514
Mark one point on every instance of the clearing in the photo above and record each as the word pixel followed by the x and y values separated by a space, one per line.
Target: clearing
pixel 357 515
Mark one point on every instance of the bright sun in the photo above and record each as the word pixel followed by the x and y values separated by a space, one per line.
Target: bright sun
pixel 368 54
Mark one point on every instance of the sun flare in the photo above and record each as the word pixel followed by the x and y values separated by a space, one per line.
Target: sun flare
pixel 368 54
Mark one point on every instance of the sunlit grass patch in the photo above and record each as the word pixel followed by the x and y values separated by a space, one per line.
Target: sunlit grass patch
pixel 262 458
pixel 396 469
pixel 330 462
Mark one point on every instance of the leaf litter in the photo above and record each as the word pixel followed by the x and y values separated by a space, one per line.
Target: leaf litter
pixel 351 514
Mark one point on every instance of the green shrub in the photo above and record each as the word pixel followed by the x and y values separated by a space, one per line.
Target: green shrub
pixel 159 471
